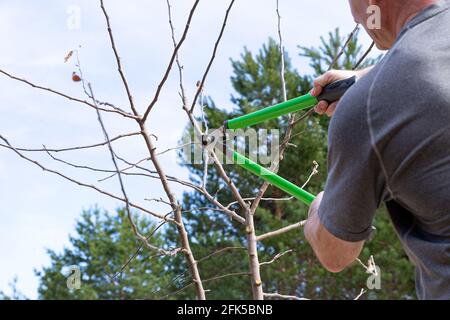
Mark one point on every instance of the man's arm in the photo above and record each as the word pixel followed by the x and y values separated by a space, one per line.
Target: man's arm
pixel 341 218
pixel 333 253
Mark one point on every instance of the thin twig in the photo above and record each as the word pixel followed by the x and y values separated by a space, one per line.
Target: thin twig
pixel 123 171
pixel 276 257
pixel 313 173
pixel 262 199
pixel 119 64
pixel 220 251
pixel 141 245
pixel 360 294
pixel 282 53
pixel 182 275
pixel 161 200
pixel 371 266
pixel 364 56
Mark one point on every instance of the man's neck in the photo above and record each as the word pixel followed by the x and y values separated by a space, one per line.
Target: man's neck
pixel 402 21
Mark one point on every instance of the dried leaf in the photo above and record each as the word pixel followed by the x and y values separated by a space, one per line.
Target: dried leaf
pixel 68 55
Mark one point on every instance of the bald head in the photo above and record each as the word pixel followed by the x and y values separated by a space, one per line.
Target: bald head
pixel 383 19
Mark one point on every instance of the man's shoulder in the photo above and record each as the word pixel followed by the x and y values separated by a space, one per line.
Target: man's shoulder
pixel 418 59
pixel 351 109
pixel 348 125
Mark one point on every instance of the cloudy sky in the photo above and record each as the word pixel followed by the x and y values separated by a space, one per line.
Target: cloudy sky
pixel 39 210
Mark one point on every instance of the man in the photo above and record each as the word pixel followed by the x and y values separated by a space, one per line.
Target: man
pixel 389 141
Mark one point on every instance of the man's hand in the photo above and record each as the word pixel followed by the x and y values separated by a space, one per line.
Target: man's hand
pixel 331 76
pixel 333 253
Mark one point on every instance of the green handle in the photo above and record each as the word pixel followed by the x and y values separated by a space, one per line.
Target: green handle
pixel 296 104
pixel 332 92
pixel 273 178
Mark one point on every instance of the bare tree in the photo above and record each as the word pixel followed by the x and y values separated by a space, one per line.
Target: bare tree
pixel 158 172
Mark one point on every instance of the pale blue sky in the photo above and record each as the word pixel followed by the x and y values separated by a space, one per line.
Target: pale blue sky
pixel 39 210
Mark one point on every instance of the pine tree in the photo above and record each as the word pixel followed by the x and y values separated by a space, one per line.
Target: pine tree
pixel 101 248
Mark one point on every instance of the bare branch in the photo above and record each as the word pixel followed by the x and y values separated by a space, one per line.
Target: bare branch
pixel 220 251
pixel 176 148
pixel 127 115
pixel 282 296
pixel 344 47
pixel 282 53
pixel 313 173
pixel 180 67
pixel 262 199
pixel 172 59
pixel 20 154
pixel 233 274
pixel 229 182
pixel 281 231
pixel 161 200
pixel 79 147
pixel 276 257
pixel 216 45
pixel 230 213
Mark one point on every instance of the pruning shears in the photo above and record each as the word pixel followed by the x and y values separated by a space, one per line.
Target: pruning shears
pixel 330 93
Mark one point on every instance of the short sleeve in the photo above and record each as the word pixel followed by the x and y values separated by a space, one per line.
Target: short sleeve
pixel 354 187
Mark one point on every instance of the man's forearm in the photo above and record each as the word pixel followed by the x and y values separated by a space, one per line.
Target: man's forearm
pixel 333 253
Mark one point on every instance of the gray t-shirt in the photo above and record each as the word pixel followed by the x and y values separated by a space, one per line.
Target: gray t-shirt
pixel 389 141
